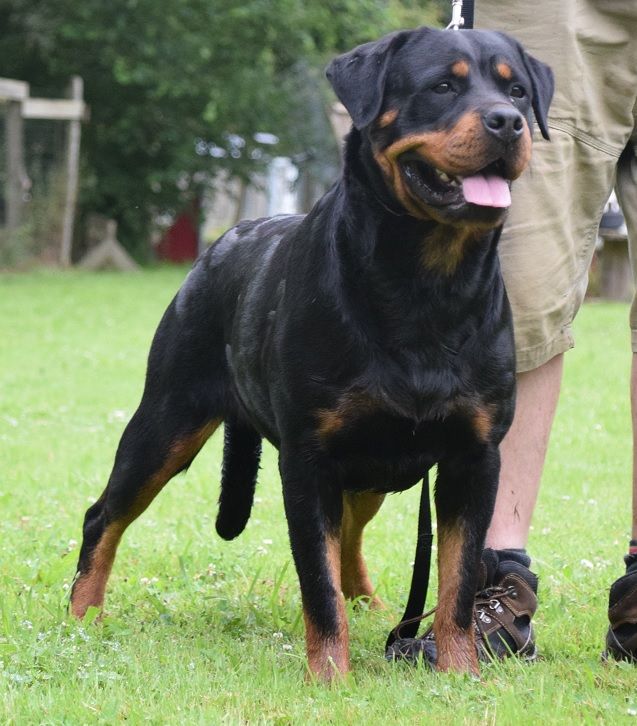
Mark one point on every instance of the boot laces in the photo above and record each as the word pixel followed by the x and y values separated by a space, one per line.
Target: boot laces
pixel 490 599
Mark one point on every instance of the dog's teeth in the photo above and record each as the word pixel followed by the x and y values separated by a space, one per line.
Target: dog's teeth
pixel 442 175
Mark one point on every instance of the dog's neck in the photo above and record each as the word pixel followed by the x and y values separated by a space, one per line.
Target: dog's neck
pixel 399 268
pixel 363 181
pixel 386 235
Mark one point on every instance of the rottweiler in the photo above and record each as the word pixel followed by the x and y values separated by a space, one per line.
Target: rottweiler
pixel 367 340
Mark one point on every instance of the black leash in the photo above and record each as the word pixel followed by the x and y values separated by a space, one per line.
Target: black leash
pixel 468 7
pixel 420 576
pixel 462 17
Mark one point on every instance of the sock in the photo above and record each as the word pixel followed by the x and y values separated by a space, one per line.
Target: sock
pixel 492 559
pixel 517 554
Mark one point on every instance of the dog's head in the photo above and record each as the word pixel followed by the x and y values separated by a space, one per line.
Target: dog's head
pixel 448 116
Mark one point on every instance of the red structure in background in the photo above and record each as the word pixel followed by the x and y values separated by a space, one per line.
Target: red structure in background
pixel 180 243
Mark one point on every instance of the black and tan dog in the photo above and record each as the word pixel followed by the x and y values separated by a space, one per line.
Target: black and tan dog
pixel 367 340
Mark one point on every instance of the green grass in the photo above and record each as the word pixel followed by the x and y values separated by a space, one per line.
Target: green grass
pixel 203 631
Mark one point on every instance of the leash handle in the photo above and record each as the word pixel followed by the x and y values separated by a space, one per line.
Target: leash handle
pixel 410 621
pixel 457 21
pixel 461 14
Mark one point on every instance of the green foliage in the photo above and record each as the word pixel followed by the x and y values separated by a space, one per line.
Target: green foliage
pixel 161 74
pixel 411 13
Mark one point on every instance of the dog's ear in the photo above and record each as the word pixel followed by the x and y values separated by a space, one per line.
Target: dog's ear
pixel 543 86
pixel 358 77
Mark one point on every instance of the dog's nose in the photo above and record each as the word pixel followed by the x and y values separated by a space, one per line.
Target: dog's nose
pixel 506 124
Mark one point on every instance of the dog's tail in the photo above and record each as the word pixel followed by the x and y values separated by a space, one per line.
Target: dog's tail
pixel 241 455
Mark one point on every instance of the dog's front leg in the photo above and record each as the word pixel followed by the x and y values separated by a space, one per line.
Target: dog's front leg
pixel 465 496
pixel 313 505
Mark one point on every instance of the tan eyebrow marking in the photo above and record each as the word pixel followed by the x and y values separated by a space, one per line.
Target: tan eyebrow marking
pixel 504 70
pixel 460 68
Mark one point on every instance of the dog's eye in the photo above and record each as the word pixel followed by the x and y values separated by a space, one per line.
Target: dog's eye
pixel 444 87
pixel 517 91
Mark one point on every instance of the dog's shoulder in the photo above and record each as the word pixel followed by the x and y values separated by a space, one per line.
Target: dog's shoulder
pixel 250 237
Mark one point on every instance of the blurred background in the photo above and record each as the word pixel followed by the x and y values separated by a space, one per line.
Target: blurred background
pixel 136 130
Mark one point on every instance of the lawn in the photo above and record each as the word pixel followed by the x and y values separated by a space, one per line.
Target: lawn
pixel 203 631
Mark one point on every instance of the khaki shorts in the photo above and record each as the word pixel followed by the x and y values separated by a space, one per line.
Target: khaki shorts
pixel 550 235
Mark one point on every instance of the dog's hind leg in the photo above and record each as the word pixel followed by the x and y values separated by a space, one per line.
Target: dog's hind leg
pixel 183 403
pixel 241 455
pixel 465 496
pixel 358 510
pixel 148 456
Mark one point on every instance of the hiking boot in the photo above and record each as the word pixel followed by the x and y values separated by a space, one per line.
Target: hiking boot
pixel 504 606
pixel 621 638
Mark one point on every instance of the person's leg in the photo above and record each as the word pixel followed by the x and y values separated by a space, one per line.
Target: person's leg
pixel 633 407
pixel 545 252
pixel 549 238
pixel 523 452
pixel 626 190
pixel 508 629
pixel 621 638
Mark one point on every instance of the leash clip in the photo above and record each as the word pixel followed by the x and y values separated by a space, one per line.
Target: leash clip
pixel 457 21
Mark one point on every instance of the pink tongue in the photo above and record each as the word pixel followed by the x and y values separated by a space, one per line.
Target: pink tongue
pixel 487 191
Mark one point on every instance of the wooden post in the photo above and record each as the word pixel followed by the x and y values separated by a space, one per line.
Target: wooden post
pixel 616 273
pixel 13 93
pixel 241 201
pixel 72 176
pixel 16 176
pixel 340 121
pixel 108 253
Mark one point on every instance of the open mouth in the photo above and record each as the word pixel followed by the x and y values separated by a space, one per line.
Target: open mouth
pixel 488 187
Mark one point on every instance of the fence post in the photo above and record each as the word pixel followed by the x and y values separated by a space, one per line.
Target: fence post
pixel 72 176
pixel 15 164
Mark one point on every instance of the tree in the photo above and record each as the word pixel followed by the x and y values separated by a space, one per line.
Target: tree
pixel 167 79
